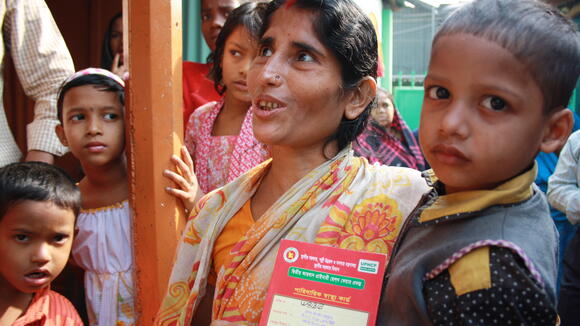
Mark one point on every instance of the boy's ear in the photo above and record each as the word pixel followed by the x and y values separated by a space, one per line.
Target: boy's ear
pixel 360 97
pixel 60 133
pixel 557 130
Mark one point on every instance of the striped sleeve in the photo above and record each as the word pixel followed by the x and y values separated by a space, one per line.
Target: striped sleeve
pixel 61 311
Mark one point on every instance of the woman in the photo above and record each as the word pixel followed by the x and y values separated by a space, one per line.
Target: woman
pixel 312 87
pixel 387 139
pixel 112 49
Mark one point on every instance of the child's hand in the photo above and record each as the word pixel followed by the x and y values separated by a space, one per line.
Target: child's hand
pixel 188 190
pixel 119 70
pixel 224 323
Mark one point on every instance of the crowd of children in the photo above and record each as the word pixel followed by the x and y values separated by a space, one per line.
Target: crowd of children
pixel 480 246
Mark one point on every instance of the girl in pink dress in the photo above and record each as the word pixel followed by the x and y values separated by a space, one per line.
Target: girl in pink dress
pixel 219 134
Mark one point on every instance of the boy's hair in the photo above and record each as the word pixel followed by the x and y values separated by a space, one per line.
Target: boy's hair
pixel 538 35
pixel 250 16
pixel 96 77
pixel 37 181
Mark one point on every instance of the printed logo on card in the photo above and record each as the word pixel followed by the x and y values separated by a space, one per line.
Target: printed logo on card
pixel 368 266
pixel 291 254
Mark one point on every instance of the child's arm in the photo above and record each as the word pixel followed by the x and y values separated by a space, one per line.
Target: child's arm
pixel 488 286
pixel 563 187
pixel 188 190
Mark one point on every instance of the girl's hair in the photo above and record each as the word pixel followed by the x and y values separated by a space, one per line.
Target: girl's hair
pixel 538 35
pixel 37 181
pixel 249 15
pixel 349 34
pixel 107 54
pixel 101 79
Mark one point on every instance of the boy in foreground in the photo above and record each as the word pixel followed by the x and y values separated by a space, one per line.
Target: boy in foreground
pixel 38 207
pixel 481 248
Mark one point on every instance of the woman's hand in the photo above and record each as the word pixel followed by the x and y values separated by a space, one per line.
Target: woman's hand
pixel 119 70
pixel 188 189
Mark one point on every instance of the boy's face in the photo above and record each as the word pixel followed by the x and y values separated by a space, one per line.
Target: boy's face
pixel 35 243
pixel 482 121
pixel 93 125
pixel 213 16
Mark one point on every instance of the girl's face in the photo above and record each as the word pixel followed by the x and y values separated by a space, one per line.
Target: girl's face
pixel 116 40
pixel 295 83
pixel 239 51
pixel 384 112
pixel 92 126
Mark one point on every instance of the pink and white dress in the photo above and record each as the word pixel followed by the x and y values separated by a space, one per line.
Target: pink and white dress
pixel 220 159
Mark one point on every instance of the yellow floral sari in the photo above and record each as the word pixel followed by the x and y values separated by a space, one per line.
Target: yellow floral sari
pixel 345 202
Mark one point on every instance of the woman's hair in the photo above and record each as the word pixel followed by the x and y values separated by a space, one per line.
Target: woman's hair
pixel 101 79
pixel 349 34
pixel 388 94
pixel 538 35
pixel 37 181
pixel 249 15
pixel 107 54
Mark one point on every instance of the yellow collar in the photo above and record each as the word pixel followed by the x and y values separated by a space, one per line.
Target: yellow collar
pixel 512 191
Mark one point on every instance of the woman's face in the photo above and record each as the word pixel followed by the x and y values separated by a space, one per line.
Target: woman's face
pixel 116 39
pixel 384 112
pixel 295 83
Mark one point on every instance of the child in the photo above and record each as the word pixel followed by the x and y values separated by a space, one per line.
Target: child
pixel 197 88
pixel 564 194
pixel 219 134
pixel 38 207
pixel 481 247
pixel 90 107
pixel 387 139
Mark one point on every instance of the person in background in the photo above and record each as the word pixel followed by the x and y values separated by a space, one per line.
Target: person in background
pixel 42 62
pixel 481 247
pixel 91 110
pixel 564 194
pixel 387 139
pixel 198 88
pixel 39 204
pixel 566 230
pixel 219 135
pixel 112 49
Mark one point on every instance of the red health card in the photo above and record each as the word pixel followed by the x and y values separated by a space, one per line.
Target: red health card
pixel 318 285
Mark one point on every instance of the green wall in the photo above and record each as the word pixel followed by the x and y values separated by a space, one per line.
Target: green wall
pixel 194 47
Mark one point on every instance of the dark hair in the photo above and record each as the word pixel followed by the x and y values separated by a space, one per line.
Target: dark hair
pixel 100 82
pixel 349 34
pixel 250 16
pixel 37 181
pixel 538 35
pixel 107 55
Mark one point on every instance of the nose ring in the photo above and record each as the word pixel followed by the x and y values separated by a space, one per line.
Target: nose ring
pixel 277 77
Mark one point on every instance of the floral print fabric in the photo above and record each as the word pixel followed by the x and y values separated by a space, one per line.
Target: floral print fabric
pixel 345 202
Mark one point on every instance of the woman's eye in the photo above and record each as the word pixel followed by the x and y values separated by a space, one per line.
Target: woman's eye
pixel 265 52
pixel 494 103
pixel 21 237
pixel 235 53
pixel 205 17
pixel 111 116
pixel 305 57
pixel 437 93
